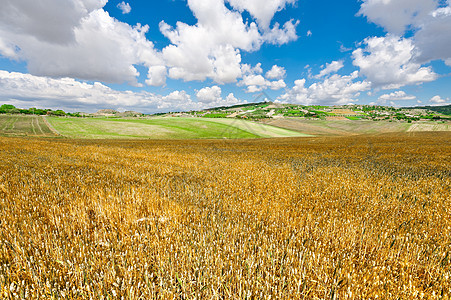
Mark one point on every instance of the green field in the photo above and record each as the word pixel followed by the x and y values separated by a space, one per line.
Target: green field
pixel 354 118
pixel 354 127
pixel 24 125
pixel 199 128
pixel 165 128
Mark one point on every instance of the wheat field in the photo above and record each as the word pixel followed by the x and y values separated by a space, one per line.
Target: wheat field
pixel 361 217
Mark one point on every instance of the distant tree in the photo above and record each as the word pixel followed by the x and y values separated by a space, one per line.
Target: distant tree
pixel 8 108
pixel 24 111
pixel 58 112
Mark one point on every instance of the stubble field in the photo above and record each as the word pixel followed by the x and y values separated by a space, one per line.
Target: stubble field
pixel 297 218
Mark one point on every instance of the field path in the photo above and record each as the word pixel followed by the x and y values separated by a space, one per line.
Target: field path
pixel 33 127
pixel 39 126
pixel 52 129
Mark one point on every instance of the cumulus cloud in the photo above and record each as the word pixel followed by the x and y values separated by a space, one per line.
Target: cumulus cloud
pixel 430 20
pixel 248 69
pixel 212 97
pixel 89 45
pixel 396 96
pixel 211 48
pixel 389 62
pixel 52 21
pixel 26 90
pixel 78 38
pixel 262 12
pixel 333 90
pixel 284 35
pixel 156 76
pixel 124 7
pixel 276 72
pixel 209 94
pixel 257 83
pixel 277 84
pixel 437 100
pixel 434 36
pixel 333 67
pixel 397 15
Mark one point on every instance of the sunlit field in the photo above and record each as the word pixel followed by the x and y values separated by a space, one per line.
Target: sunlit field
pixel 359 217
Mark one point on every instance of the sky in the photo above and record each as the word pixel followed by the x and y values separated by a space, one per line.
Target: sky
pixel 179 55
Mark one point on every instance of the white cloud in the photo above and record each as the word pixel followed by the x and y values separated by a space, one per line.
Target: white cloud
pixel 284 35
pixel 78 39
pixel 442 11
pixel 437 100
pixel 226 66
pixel 396 96
pixel 332 90
pixel 211 96
pixel 277 85
pixel 247 69
pixel 25 90
pixel 434 36
pixel 124 7
pixel 231 99
pixel 257 83
pixel 333 67
pixel 309 33
pixel 263 12
pixel 276 72
pixel 430 19
pixel 211 48
pixel 249 80
pixel 397 15
pixel 177 100
pixel 344 49
pixel 98 47
pixel 389 62
pixel 52 21
pixel 156 76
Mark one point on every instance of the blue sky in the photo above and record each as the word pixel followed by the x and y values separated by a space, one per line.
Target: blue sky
pixel 172 55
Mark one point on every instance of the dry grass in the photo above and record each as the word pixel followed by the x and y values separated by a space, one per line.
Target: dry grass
pixel 315 218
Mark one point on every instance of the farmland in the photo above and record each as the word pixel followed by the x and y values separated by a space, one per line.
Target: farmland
pixel 164 128
pixel 355 217
pixel 23 125
pixel 354 127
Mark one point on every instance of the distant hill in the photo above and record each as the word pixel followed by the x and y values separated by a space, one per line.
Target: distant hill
pixel 444 109
pixel 104 112
pixel 129 113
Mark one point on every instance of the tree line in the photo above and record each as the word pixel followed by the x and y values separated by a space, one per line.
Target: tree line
pixel 11 109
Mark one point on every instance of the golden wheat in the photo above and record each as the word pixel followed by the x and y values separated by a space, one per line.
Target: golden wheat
pixel 337 218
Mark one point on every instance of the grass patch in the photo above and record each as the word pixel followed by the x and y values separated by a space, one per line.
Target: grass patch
pixel 355 118
pixel 215 115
